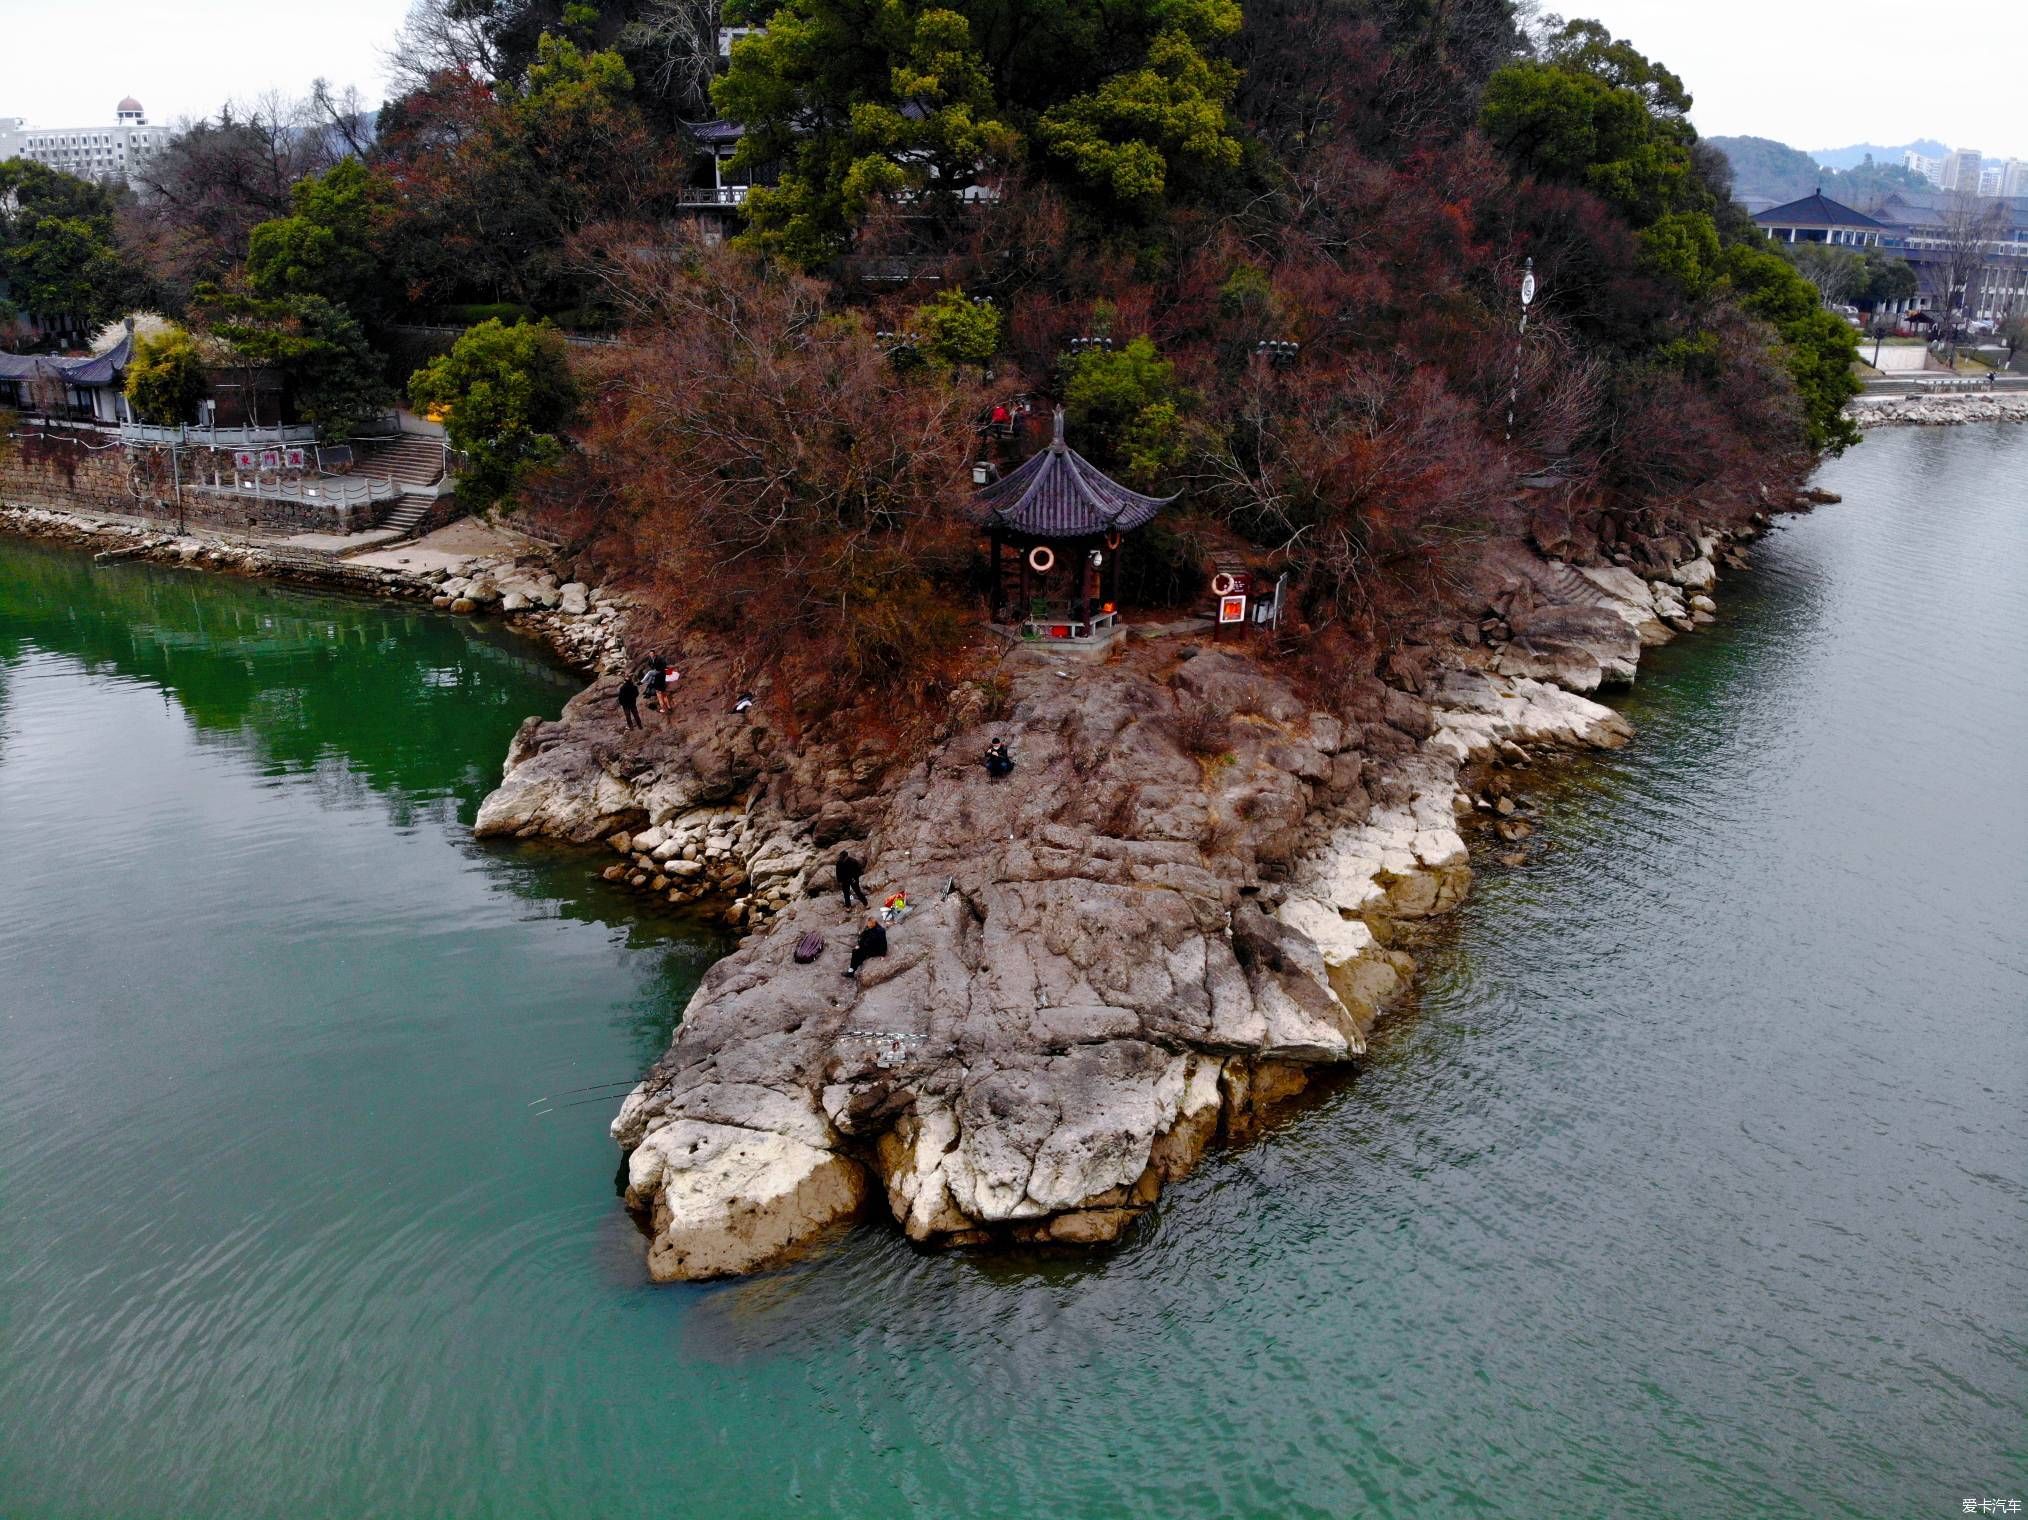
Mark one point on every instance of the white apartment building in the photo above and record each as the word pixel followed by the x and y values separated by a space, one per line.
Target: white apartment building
pixel 2014 178
pixel 112 152
pixel 1930 169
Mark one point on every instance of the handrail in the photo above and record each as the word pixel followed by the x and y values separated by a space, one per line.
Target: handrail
pixel 215 437
pixel 323 490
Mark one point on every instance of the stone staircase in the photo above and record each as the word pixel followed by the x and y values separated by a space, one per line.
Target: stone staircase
pixel 409 461
pixel 407 513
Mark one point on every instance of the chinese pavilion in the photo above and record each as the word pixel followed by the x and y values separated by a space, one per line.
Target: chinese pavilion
pixel 1065 521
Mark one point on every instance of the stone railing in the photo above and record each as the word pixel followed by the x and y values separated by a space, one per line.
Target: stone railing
pixel 216 437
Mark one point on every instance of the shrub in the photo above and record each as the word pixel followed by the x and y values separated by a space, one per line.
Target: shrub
pixel 165 378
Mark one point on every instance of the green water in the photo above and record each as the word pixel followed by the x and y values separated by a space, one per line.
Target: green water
pixel 1694 1186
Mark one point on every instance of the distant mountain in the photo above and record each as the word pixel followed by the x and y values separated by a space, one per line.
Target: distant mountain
pixel 1767 173
pixel 1854 156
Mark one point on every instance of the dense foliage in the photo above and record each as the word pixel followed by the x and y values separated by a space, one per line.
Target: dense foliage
pixel 505 393
pixel 166 378
pixel 58 256
pixel 1265 254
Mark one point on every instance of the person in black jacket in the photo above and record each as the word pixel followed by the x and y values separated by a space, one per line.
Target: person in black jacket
pixel 630 701
pixel 872 944
pixel 849 872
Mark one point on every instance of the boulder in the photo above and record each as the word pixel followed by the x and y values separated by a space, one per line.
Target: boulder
pixel 723 1199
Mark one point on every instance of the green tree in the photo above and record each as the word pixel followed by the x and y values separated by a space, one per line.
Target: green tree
pixel 506 394
pixel 326 246
pixel 318 348
pixel 1133 135
pixel 1579 129
pixel 166 378
pixel 1886 278
pixel 1586 47
pixel 58 254
pixel 1819 347
pixel 858 100
pixel 1126 409
pixel 959 329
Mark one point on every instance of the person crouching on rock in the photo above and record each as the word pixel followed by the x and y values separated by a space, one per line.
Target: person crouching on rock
pixel 849 872
pixel 629 697
pixel 872 945
pixel 998 761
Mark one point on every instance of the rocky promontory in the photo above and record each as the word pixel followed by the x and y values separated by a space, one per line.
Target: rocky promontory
pixel 1192 894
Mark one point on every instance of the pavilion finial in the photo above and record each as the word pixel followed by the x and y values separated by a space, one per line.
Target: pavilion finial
pixel 1057 442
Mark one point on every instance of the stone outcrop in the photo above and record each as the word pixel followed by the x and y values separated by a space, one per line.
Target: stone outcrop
pixel 1191 895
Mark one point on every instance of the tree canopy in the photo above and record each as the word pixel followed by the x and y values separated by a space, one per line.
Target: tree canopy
pixel 506 393
pixel 58 254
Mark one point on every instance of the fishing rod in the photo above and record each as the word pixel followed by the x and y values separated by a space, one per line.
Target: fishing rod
pixel 566 1092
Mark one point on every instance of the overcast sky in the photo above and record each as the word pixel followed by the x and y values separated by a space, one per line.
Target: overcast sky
pixel 1811 73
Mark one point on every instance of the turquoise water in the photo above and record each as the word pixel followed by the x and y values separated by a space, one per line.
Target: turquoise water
pixel 1694 1186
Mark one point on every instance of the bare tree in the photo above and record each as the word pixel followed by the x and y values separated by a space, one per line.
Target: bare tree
pixel 348 125
pixel 1835 272
pixel 442 36
pixel 1966 225
pixel 213 181
pixel 673 47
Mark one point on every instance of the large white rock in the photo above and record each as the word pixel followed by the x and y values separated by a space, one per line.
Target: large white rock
pixel 723 1199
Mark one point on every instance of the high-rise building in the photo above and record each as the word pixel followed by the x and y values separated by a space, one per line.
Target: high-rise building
pixel 2014 177
pixel 102 152
pixel 1989 181
pixel 1930 169
pixel 1961 169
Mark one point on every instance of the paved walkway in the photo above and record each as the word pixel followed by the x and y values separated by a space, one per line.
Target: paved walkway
pixel 451 547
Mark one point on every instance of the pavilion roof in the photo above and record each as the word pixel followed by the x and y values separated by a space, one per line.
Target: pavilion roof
pixel 95 369
pixel 1817 210
pixel 1058 493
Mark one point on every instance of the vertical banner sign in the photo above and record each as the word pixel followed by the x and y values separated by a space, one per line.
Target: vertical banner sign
pixel 1527 300
pixel 1232 609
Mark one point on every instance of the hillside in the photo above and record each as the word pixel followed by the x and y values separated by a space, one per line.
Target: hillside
pixel 1857 153
pixel 1764 170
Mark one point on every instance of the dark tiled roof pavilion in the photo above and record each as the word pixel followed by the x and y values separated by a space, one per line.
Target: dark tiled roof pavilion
pixel 1817 210
pixel 1058 493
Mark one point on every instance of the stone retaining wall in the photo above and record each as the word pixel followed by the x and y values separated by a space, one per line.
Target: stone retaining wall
pixel 64 475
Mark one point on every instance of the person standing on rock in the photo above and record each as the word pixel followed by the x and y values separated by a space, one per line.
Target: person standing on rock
pixel 629 698
pixel 872 945
pixel 849 872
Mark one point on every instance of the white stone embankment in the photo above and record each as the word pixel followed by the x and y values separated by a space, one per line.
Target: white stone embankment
pixel 1941 410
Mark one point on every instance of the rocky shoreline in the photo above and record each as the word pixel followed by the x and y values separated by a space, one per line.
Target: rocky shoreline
pixel 583 625
pixel 1195 893
pixel 1944 410
pixel 1192 895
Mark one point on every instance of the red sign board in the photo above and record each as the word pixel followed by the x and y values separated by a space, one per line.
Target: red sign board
pixel 1232 609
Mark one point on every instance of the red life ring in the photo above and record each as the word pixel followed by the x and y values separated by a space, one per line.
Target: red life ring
pixel 1041 559
pixel 1222 584
pixel 1112 540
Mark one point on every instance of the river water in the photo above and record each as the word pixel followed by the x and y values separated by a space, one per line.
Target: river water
pixel 1694 1185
